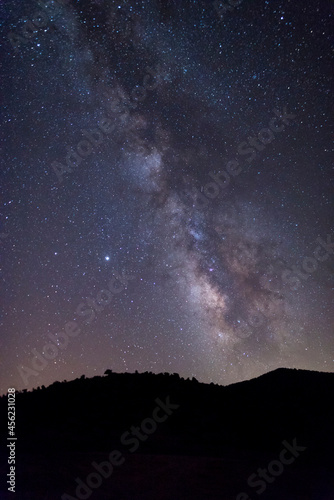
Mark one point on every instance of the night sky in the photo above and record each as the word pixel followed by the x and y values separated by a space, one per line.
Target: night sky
pixel 167 189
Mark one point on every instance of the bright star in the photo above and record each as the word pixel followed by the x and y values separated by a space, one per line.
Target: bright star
pixel 107 258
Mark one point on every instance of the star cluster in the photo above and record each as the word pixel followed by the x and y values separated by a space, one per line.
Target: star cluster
pixel 167 170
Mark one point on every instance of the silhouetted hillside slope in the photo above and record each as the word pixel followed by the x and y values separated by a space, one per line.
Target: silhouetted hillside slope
pixel 206 448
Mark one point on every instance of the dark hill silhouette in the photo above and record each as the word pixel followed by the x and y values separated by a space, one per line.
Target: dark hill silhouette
pixel 205 449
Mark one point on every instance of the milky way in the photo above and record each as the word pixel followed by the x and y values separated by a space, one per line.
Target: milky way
pixel 188 150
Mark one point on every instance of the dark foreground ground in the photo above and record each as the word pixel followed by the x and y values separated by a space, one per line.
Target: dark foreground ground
pixel 206 448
